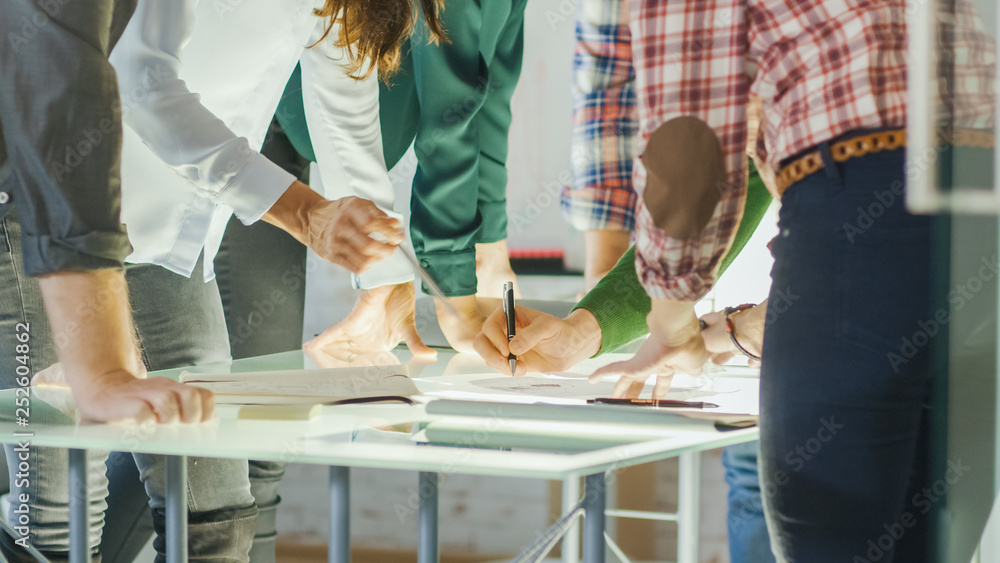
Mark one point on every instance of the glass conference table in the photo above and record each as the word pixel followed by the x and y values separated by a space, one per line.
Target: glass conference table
pixel 440 436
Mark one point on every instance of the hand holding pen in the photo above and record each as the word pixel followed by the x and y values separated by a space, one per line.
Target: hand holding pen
pixel 544 343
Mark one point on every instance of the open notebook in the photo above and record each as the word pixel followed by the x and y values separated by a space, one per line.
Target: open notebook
pixel 305 387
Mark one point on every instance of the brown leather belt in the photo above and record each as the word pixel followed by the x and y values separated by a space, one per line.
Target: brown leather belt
pixel 871 143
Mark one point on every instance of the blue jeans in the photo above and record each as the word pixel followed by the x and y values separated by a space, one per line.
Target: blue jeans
pixel 222 510
pixel 844 402
pixel 747 528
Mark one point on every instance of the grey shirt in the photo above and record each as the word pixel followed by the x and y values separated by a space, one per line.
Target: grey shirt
pixel 60 132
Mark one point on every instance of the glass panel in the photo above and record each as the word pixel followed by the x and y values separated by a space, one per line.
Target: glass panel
pixel 953 155
pixel 952 93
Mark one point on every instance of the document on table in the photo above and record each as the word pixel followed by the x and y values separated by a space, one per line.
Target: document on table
pixel 304 387
pixel 732 394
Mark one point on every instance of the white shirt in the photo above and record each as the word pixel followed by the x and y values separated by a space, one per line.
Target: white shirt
pixel 200 81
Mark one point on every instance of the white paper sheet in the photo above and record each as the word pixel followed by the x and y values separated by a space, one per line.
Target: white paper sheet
pixel 732 394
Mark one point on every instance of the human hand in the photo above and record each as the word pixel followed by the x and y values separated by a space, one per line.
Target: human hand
pixel 55 375
pixel 121 396
pixel 542 342
pixel 460 330
pixel 352 232
pixel 675 344
pixel 100 361
pixel 717 340
pixel 493 270
pixel 749 325
pixel 381 318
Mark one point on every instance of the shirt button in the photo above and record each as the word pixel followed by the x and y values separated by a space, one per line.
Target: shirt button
pixel 425 264
pixel 4 198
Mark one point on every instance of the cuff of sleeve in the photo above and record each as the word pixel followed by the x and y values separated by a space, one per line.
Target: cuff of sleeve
pixel 454 272
pixel 394 270
pixel 91 251
pixel 622 319
pixel 255 189
pixel 690 286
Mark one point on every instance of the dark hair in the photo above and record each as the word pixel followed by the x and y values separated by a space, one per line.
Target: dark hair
pixel 372 31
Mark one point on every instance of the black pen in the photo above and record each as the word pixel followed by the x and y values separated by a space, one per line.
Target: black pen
pixel 508 308
pixel 656 403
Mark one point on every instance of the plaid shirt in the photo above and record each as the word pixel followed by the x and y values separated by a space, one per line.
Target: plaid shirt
pixel 605 125
pixel 821 68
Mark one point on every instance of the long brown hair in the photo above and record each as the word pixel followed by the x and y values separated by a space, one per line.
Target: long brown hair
pixel 372 31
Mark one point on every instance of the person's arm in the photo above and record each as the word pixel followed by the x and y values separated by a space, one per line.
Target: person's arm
pixel 450 82
pixel 694 174
pixel 749 325
pixel 342 114
pixel 677 249
pixel 57 103
pixel 69 208
pixel 172 121
pixel 620 303
pixel 96 347
pixel 219 165
pixel 608 317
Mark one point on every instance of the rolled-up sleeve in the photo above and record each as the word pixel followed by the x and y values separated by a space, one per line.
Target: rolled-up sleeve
pixel 60 135
pixel 691 70
pixel 176 126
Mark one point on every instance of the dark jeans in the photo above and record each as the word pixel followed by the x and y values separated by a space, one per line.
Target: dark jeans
pixel 844 403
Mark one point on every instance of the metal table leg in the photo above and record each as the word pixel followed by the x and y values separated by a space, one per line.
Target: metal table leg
pixel 79 551
pixel 688 507
pixel 594 503
pixel 427 552
pixel 340 515
pixel 570 546
pixel 177 510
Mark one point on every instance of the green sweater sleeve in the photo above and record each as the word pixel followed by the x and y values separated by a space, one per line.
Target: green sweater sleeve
pixel 619 301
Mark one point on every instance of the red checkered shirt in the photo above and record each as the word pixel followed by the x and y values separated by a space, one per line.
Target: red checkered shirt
pixel 822 69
